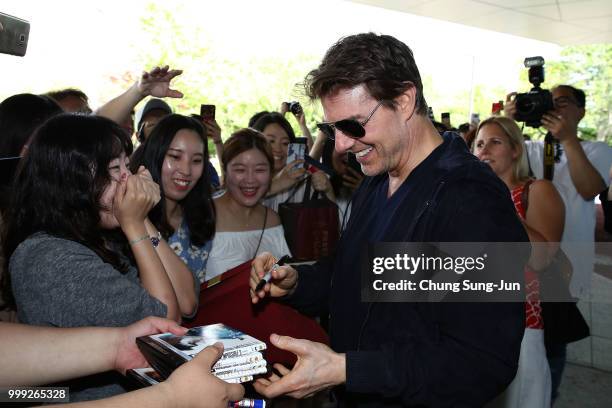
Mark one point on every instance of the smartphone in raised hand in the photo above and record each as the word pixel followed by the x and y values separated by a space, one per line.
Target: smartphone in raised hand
pixel 207 112
pixel 297 150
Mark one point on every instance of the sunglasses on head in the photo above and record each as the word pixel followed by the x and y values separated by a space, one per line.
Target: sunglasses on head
pixel 350 127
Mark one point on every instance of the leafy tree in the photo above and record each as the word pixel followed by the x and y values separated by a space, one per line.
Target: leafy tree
pixel 240 88
pixel 237 87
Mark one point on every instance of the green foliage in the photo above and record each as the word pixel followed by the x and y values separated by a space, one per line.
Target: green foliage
pixel 241 87
pixel 238 88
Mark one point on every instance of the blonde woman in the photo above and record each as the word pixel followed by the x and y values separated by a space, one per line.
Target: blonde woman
pixel 499 143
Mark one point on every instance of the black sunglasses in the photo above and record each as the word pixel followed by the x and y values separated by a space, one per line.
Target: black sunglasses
pixel 350 127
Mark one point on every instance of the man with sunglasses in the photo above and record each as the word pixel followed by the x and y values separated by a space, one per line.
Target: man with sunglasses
pixel 420 187
pixel 579 173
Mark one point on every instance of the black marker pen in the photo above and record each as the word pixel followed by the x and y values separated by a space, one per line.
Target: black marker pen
pixel 268 274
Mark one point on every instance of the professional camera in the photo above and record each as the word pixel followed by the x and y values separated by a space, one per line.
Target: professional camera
pixel 294 107
pixel 532 105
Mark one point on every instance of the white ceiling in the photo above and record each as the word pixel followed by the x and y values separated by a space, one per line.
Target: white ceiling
pixel 564 22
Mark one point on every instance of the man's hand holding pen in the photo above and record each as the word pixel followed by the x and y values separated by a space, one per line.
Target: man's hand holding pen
pixel 282 278
pixel 318 367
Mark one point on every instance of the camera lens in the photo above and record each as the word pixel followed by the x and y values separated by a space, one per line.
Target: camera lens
pixel 295 108
pixel 525 105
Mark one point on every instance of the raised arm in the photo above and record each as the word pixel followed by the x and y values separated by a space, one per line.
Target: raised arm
pixel 152 83
pixel 301 120
pixel 317 148
pixel 584 175
pixel 134 199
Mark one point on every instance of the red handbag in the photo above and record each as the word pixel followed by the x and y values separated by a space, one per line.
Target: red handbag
pixel 311 227
pixel 225 299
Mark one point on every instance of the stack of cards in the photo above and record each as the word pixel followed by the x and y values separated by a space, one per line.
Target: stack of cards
pixel 242 358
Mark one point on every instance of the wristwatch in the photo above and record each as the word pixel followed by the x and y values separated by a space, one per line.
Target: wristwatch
pixel 155 240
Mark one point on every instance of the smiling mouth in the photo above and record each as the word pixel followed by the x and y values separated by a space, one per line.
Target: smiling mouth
pixel 363 152
pixel 249 192
pixel 182 184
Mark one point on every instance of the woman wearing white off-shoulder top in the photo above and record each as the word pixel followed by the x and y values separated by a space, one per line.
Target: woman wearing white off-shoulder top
pixel 244 226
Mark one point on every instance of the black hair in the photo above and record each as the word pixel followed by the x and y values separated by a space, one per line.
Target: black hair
pixel 464 127
pixel 274 117
pixel 20 115
pixel 256 117
pixel 64 93
pixel 59 184
pixel 578 94
pixel 384 65
pixel 198 208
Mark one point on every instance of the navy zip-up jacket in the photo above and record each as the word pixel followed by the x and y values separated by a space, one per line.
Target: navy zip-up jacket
pixel 420 354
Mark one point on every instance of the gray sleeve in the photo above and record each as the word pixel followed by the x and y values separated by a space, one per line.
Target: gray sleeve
pixel 62 283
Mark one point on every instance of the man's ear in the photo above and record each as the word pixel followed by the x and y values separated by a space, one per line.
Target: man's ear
pixel 406 102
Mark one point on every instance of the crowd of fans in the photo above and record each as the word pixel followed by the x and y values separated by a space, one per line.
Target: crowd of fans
pixel 97 233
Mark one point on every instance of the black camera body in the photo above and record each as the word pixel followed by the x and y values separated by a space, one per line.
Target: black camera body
pixel 295 107
pixel 530 106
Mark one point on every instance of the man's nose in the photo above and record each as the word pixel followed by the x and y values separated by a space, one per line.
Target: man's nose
pixel 342 143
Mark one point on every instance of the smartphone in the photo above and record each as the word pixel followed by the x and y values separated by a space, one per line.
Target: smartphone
pixel 14 34
pixel 297 150
pixel 445 116
pixel 207 112
pixel 475 119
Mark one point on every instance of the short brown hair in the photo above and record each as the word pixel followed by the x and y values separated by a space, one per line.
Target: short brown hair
pixel 384 65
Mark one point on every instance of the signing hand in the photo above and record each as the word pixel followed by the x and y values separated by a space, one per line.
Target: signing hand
pixel 157 83
pixel 283 279
pixel 318 367
pixel 127 353
pixel 192 384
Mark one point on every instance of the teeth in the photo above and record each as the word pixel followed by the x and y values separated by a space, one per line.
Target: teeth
pixel 363 152
pixel 183 183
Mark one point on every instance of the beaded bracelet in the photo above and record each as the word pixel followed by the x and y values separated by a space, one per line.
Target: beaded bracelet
pixel 137 240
